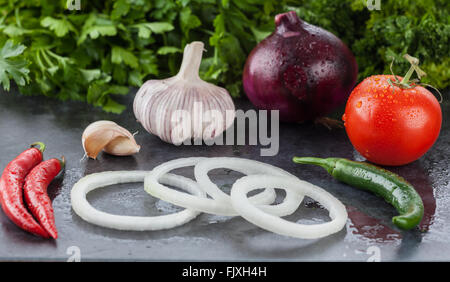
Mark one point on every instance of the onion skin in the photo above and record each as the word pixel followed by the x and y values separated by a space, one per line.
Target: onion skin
pixel 301 70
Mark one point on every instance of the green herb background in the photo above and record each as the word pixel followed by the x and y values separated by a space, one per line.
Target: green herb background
pixel 101 50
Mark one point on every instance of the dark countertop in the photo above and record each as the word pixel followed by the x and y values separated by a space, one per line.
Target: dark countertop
pixel 24 120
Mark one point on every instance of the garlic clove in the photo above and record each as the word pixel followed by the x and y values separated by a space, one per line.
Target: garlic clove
pixel 95 125
pixel 98 137
pixel 122 146
pixel 96 141
pixel 110 137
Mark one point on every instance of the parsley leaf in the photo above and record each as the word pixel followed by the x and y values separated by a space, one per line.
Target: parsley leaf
pixel 120 55
pixel 96 26
pixel 11 66
pixel 146 29
pixel 168 50
pixel 60 27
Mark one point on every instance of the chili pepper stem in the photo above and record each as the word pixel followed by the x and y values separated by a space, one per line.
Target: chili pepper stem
pixel 40 144
pixel 328 164
pixel 62 162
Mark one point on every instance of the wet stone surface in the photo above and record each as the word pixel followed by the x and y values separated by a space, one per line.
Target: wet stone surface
pixel 369 234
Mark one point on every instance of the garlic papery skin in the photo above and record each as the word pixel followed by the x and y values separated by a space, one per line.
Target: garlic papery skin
pixel 184 107
pixel 110 137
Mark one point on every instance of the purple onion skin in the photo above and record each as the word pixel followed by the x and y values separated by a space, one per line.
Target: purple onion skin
pixel 301 70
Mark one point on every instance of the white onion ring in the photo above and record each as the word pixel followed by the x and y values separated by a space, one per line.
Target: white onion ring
pixel 154 188
pixel 213 206
pixel 281 226
pixel 291 201
pixel 133 223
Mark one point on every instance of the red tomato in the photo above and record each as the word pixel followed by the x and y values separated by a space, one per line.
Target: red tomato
pixel 391 127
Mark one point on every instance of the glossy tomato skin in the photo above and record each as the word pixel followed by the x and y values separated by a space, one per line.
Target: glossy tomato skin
pixel 391 127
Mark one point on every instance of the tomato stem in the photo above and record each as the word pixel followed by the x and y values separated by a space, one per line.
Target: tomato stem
pixel 406 83
pixel 414 68
pixel 407 76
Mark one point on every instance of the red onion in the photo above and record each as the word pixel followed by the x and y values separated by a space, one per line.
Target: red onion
pixel 301 70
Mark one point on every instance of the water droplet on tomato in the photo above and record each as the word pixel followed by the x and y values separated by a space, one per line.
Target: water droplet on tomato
pixel 359 104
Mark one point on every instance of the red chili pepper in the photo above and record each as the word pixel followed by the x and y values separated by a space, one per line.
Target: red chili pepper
pixel 35 191
pixel 11 189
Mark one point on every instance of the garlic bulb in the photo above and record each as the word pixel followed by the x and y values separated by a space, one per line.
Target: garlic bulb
pixel 184 107
pixel 110 137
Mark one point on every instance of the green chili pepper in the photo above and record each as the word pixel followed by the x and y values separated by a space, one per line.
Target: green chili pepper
pixel 390 186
